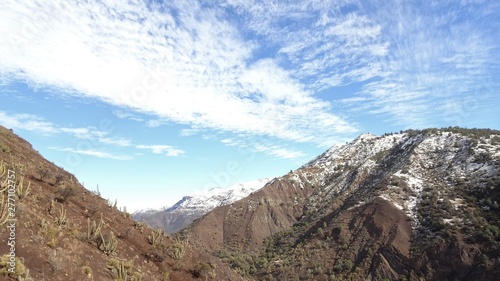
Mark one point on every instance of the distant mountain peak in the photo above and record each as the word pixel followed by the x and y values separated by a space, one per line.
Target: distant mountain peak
pixel 193 206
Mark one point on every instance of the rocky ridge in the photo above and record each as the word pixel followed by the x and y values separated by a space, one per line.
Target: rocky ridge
pixel 395 207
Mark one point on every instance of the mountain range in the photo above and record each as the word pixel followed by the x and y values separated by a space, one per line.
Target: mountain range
pixel 189 208
pixel 414 205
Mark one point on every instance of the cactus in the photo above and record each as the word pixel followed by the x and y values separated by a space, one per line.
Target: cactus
pixel 177 250
pixel 61 220
pixel 94 229
pixel 21 191
pixel 19 268
pixel 155 237
pixel 107 245
pixel 137 277
pixel 26 276
pixel 51 207
pixel 3 170
pixel 120 269
pixel 122 272
pixel 139 225
pixel 4 210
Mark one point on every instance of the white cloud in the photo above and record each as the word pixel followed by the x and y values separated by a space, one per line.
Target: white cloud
pixel 116 141
pixel 414 57
pixel 37 124
pixel 248 145
pixel 84 132
pixel 162 149
pixel 280 152
pixel 257 72
pixel 94 152
pixel 189 132
pixel 195 68
pixel 127 115
pixel 432 59
pixel 27 122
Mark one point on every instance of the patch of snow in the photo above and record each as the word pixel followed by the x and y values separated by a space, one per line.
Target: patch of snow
pixel 396 204
pixel 205 201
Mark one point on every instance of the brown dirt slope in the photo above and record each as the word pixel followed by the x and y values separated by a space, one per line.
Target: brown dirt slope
pixel 245 223
pixel 52 240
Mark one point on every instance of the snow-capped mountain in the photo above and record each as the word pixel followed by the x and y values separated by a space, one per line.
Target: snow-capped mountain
pixel 394 207
pixel 191 207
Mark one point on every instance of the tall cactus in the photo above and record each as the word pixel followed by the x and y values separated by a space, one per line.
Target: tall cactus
pixel 109 244
pixel 22 191
pixel 3 183
pixel 94 229
pixel 61 220
pixel 155 237
pixel 4 210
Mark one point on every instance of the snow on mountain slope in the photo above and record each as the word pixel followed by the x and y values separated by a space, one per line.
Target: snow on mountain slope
pixel 215 197
pixel 196 205
pixel 395 207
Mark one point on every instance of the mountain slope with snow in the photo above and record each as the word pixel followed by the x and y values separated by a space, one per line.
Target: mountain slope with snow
pixel 415 205
pixel 191 207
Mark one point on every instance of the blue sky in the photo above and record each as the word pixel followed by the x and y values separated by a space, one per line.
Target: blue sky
pixel 153 100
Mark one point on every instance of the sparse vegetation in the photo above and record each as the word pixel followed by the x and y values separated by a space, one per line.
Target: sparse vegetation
pixel 108 243
pixel 55 261
pixel 121 270
pixel 58 179
pixel 93 229
pixel 65 193
pixel 4 148
pixel 87 270
pixel 22 190
pixel 57 227
pixel 178 249
pixel 336 233
pixel 4 209
pixel 43 173
pixel 155 237
pixel 61 220
pixel 203 269
pixel 139 225
pixel 18 266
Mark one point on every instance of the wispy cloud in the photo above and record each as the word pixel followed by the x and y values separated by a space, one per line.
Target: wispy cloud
pixel 116 141
pixel 84 132
pixel 99 138
pixel 33 123
pixel 93 152
pixel 265 146
pixel 162 149
pixel 411 60
pixel 127 115
pixel 255 67
pixel 27 122
pixel 434 58
pixel 192 67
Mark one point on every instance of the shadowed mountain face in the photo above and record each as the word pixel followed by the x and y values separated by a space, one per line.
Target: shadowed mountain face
pixel 64 232
pixel 407 206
